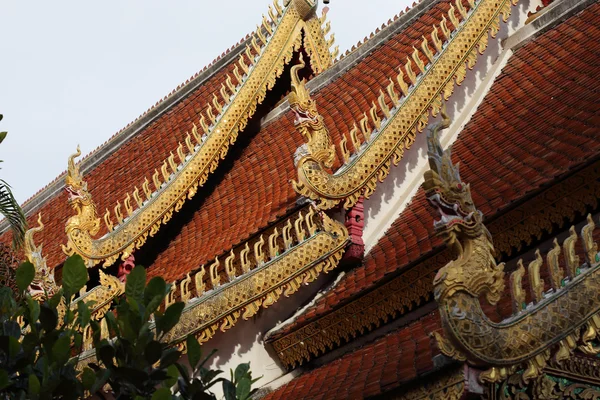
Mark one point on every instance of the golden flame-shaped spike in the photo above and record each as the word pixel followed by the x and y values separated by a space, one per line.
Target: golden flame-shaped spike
pixel 184 288
pixel 230 84
pixel 137 198
pixel 401 82
pixel 146 188
pixel 204 127
pixel 288 241
pixel 210 114
pixel 224 95
pixel 188 143
pixel 344 149
pixel 199 281
pixel 409 71
pixel 330 41
pixel 471 3
pixel 335 52
pixel 215 278
pixel 236 73
pixel 516 287
pixel 273 247
pixel 118 214
pixel 535 282
pixel 107 221
pixel 229 267
pixel 300 233
pixel 374 117
pixel 383 104
pixel 556 272
pixel 244 259
pixel 249 54
pixel 255 45
pixel 354 138
pixel 415 56
pixel 156 180
pixel 260 35
pixel 278 8
pixel 392 93
pixel 172 163
pixel 259 254
pixel 217 105
pixel 310 224
pixel 444 27
pixel 437 43
pixel 242 64
pixel 164 170
pixel 590 247
pixel 180 153
pixel 453 17
pixel 461 9
pixel 267 25
pixel 571 257
pixel 327 28
pixel 127 203
pixel 170 299
pixel 364 127
pixel 426 49
pixel 272 14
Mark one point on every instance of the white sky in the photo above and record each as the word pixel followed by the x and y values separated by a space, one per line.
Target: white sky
pixel 75 71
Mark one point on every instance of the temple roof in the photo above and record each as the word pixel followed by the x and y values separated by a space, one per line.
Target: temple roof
pixel 539 122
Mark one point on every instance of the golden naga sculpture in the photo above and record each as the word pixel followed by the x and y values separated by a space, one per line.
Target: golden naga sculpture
pixel 143 211
pixel 549 326
pixel 43 283
pixel 380 137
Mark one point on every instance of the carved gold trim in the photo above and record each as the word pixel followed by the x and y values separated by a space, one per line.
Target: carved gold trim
pixel 178 181
pixel 448 385
pixel 368 312
pixel 319 250
pixel 386 140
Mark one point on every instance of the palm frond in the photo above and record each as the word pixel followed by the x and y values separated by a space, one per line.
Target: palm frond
pixel 13 213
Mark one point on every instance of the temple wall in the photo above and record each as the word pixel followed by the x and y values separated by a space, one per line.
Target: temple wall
pixel 394 194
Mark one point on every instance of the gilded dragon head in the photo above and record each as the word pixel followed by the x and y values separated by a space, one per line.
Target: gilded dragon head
pixel 75 186
pixel 447 193
pixel 43 281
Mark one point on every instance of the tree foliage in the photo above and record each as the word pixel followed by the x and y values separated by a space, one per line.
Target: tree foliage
pixel 40 348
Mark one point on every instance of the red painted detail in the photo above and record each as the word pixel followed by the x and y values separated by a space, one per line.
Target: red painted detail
pixel 355 223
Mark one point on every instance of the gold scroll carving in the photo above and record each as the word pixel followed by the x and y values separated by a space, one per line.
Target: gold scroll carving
pixel 269 50
pixel 386 139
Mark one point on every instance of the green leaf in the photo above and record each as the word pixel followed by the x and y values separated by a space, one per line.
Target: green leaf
pixel 241 371
pixel 88 378
pixel 229 390
pixel 162 394
pixel 3 136
pixel 34 309
pixel 74 276
pixel 169 357
pixel 170 317
pixel 173 375
pixel 84 314
pixel 24 276
pixel 34 385
pixel 4 380
pixel 14 347
pixel 48 317
pixel 194 351
pixel 153 352
pixel 136 281
pixel 153 305
pixel 61 350
pixel 54 301
pixel 243 388
pixel 156 287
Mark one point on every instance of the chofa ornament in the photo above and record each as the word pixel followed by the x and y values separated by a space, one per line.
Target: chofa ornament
pixel 554 324
pixel 43 282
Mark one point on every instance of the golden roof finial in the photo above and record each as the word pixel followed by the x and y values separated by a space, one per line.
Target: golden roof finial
pixel 74 177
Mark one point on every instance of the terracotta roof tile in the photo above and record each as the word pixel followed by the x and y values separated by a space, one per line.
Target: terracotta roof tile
pixel 530 128
pixel 371 370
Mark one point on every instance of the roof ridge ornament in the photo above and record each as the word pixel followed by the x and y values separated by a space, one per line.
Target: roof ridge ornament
pixel 550 325
pixel 391 125
pixel 228 111
pixel 43 282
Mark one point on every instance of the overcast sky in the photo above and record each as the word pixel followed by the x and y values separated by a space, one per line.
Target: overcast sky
pixel 75 71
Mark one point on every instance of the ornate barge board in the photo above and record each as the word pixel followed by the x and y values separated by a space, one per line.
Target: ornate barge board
pixel 562 320
pixel 144 211
pixel 428 76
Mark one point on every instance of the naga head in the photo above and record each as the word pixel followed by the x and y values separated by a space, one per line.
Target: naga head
pixel 303 106
pixel 43 281
pixel 75 186
pixel 448 193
